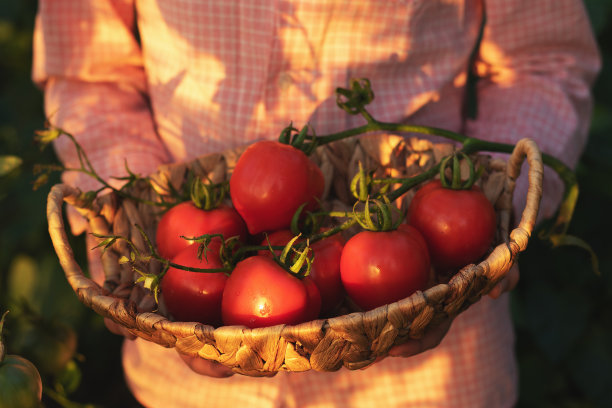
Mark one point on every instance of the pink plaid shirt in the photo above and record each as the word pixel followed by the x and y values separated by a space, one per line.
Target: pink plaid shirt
pixel 206 75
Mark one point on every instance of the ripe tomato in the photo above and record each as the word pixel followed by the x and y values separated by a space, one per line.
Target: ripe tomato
pixel 20 382
pixel 313 307
pixel 275 238
pixel 185 219
pixel 316 186
pixel 195 296
pixel 378 268
pixel 325 270
pixel 260 293
pixel 458 225
pixel 270 182
pixel 417 236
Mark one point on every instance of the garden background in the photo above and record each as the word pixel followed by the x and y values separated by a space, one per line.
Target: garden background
pixel 562 310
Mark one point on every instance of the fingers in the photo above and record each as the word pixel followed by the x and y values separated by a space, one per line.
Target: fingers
pixel 508 283
pixel 197 364
pixel 118 329
pixel 206 367
pixel 431 339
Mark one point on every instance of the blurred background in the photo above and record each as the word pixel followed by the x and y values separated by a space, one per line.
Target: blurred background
pixel 562 310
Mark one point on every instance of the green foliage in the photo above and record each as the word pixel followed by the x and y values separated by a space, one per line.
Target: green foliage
pixel 562 311
pixel 29 272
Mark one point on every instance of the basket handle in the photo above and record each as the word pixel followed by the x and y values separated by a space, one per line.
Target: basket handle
pixel 89 292
pixel 501 259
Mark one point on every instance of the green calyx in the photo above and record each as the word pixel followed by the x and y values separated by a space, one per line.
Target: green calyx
pixel 305 221
pixel 207 196
pixel 364 185
pixel 453 163
pixel 296 262
pixel 300 139
pixel 378 218
pixel 354 99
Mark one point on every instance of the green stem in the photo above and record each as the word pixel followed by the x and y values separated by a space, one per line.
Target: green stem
pixel 413 181
pixel 200 270
pixel 88 169
pixel 344 226
pixel 469 145
pixel 374 125
pixel 121 193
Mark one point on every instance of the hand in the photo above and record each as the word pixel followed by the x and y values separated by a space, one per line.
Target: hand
pixel 507 283
pixel 118 329
pixel 431 339
pixel 206 367
pixel 434 336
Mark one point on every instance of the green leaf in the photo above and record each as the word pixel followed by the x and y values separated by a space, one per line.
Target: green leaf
pixel 44 137
pixel 9 164
pixel 571 240
pixel 40 181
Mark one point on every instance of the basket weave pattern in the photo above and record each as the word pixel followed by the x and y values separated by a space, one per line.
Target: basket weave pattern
pixel 353 340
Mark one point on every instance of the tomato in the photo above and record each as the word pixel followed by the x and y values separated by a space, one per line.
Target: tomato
pixel 316 186
pixel 276 238
pixel 378 268
pixel 417 237
pixel 260 293
pixel 313 306
pixel 270 182
pixel 20 383
pixel 325 270
pixel 185 219
pixel 458 225
pixel 195 296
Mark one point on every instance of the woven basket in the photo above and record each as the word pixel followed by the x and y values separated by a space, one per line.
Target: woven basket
pixel 353 340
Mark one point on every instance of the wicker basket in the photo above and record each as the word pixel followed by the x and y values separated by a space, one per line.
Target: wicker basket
pixel 353 340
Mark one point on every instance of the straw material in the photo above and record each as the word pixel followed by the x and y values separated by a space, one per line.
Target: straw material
pixel 353 340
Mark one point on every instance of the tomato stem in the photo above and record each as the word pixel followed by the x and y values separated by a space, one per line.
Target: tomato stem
pixel 456 183
pixel 88 169
pixel 469 145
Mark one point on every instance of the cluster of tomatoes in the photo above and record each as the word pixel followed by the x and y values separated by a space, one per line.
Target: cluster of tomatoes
pixel 446 229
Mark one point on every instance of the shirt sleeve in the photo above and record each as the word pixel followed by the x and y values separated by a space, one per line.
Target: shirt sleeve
pixel 88 62
pixel 537 62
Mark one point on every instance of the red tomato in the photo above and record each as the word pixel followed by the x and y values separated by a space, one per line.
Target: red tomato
pixel 378 268
pixel 317 186
pixel 270 182
pixel 187 220
pixel 325 270
pixel 313 309
pixel 417 236
pixel 276 238
pixel 195 296
pixel 260 293
pixel 458 225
